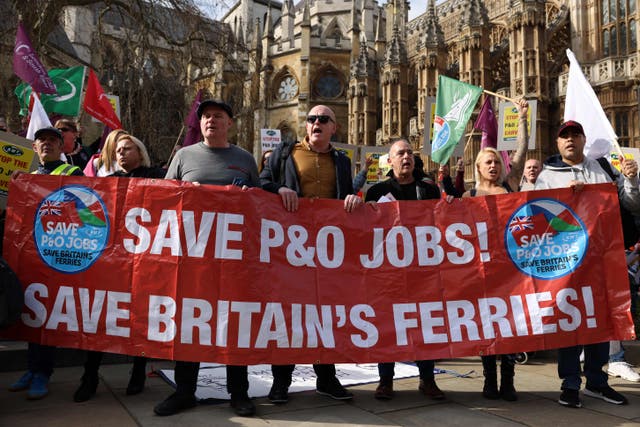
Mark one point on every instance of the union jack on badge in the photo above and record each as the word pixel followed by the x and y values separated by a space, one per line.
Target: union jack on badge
pixel 50 207
pixel 520 223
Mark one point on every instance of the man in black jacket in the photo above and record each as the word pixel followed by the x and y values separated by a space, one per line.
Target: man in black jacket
pixel 311 168
pixel 404 185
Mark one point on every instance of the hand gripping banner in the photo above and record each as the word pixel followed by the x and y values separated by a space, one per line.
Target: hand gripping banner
pixel 171 270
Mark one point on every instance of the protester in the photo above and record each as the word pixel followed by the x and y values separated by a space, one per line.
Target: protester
pixel 265 157
pixel 73 149
pixel 404 186
pixel 532 169
pixel 212 161
pixel 312 168
pixel 104 163
pixel 361 178
pixel 491 180
pixel 132 161
pixel 47 146
pixel 571 168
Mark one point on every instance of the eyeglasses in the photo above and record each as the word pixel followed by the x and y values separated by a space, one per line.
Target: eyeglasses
pixel 66 129
pixel 322 119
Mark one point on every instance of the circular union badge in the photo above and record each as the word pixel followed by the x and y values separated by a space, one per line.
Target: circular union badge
pixel 71 228
pixel 441 133
pixel 546 239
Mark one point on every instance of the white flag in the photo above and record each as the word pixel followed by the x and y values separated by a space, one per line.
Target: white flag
pixel 39 119
pixel 583 106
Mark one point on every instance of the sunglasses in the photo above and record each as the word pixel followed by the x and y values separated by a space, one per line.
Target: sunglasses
pixel 322 119
pixel 65 129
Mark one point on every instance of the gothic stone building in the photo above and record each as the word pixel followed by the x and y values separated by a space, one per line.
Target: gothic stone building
pixel 375 68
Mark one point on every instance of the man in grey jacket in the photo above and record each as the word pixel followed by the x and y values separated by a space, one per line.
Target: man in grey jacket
pixel 571 168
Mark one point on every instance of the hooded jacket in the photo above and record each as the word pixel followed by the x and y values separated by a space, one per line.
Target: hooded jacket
pixel 558 174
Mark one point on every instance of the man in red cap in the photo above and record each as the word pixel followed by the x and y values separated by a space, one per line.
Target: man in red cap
pixel 571 168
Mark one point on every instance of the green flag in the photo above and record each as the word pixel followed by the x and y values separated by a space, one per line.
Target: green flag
pixel 455 102
pixel 66 101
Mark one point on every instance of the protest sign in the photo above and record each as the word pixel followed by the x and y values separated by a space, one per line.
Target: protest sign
pixel 168 269
pixel 16 154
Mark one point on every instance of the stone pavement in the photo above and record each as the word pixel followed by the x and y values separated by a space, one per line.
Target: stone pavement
pixel 536 382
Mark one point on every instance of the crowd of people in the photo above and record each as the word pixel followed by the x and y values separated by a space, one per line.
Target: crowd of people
pixel 313 168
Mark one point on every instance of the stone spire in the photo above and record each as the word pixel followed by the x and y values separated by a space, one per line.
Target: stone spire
pixel 363 66
pixel 396 50
pixel 306 14
pixel 433 34
pixel 474 14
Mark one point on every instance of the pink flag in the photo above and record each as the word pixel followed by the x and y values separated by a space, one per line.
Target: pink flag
pixel 488 124
pixel 97 104
pixel 27 65
pixel 192 123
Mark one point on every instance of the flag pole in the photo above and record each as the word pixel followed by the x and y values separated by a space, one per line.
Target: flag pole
pixel 497 95
pixel 173 150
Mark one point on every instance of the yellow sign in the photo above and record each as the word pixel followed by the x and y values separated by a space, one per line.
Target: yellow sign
pixel 15 155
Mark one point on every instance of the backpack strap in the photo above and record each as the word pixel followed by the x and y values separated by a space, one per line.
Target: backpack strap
pixel 606 166
pixel 473 192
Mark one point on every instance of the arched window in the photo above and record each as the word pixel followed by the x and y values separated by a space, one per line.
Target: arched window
pixel 618 26
pixel 329 83
pixel 286 87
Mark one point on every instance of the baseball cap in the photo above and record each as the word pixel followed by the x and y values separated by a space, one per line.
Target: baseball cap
pixel 570 124
pixel 214 103
pixel 49 129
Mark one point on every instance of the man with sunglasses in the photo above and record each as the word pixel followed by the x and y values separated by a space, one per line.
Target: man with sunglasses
pixel 571 168
pixel 311 168
pixel 73 149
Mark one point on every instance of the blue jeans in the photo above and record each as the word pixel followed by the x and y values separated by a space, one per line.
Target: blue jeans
pixel 595 357
pixel 425 367
pixel 40 358
pixel 616 351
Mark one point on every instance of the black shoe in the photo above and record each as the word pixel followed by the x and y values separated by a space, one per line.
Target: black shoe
pixel 87 389
pixel 605 393
pixel 333 389
pixel 570 398
pixel 278 393
pixel 174 404
pixel 136 382
pixel 507 390
pixel 490 388
pixel 242 405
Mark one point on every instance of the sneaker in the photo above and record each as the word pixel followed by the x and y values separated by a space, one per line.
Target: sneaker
pixel 39 387
pixel 23 383
pixel 430 389
pixel 384 391
pixel 174 404
pixel 242 405
pixel 570 398
pixel 87 389
pixel 279 393
pixel 333 389
pixel 624 371
pixel 605 393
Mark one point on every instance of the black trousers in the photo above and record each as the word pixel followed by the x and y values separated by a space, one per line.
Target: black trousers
pixel 282 373
pixel 186 376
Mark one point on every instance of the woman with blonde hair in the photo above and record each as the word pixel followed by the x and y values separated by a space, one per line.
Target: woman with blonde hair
pixel 491 179
pixel 104 163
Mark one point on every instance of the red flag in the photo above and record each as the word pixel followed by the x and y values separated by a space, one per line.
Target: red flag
pixel 97 104
pixel 487 123
pixel 27 65
pixel 193 123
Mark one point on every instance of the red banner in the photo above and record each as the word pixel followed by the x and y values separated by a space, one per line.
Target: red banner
pixel 204 273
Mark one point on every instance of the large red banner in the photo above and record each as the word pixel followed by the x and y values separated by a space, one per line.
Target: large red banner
pixel 171 270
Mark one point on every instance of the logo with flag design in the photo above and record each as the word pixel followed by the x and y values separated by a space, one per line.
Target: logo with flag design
pixel 71 228
pixel 546 239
